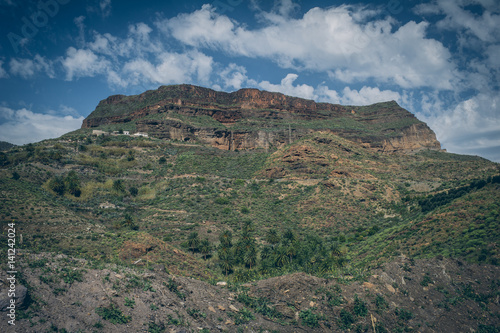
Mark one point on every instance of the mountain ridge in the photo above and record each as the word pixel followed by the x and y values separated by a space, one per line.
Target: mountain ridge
pixel 250 118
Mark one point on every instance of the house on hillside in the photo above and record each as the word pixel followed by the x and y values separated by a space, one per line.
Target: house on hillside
pixel 99 132
pixel 144 135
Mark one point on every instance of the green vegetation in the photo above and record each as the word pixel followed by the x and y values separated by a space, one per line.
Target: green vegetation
pixel 113 314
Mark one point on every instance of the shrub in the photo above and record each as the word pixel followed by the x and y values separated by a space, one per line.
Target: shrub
pixel 129 302
pixel 380 302
pixel 56 184
pixel 242 317
pixel 360 308
pixel 309 318
pixel 113 314
pixel 133 191
pixel 426 280
pixel 346 319
pixel 403 314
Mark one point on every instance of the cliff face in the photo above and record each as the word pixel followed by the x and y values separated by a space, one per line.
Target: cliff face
pixel 250 118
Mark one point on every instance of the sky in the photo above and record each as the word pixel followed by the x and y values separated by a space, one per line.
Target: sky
pixel 439 59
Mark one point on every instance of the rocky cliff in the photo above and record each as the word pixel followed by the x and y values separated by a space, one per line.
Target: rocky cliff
pixel 250 118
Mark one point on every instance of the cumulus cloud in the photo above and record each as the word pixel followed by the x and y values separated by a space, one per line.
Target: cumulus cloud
pixel 170 68
pixel 288 88
pixel 340 40
pixel 26 68
pixel 471 125
pixel 24 126
pixel 364 96
pixel 368 95
pixel 83 63
pixel 234 76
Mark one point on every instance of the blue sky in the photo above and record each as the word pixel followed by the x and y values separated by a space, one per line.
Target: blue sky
pixel 440 59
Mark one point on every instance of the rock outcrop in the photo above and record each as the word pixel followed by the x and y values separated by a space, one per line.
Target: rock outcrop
pixel 250 118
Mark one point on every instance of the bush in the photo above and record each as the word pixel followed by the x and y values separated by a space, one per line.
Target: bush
pixel 113 314
pixel 309 318
pixel 380 302
pixel 346 319
pixel 133 191
pixel 360 308
pixel 403 314
pixel 56 184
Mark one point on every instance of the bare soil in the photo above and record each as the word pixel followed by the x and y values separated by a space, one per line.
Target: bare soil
pixel 435 295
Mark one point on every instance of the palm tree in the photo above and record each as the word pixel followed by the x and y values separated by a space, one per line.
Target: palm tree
pixel 225 261
pixel 272 237
pixel 289 236
pixel 250 257
pixel 193 241
pixel 205 248
pixel 281 257
pixel 226 239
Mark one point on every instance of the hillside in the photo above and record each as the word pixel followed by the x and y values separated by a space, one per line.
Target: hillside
pixel 305 210
pixel 6 145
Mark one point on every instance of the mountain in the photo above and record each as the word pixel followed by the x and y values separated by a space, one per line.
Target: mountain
pixel 250 119
pixel 245 212
pixel 6 145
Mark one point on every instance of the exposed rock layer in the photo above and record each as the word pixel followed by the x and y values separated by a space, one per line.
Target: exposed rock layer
pixel 250 118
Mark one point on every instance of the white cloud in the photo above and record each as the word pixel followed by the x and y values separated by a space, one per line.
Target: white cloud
pixel 471 125
pixel 24 126
pixel 170 68
pixel 457 18
pixel 337 40
pixel 105 6
pixel 79 22
pixel 286 87
pixel 3 73
pixel 83 63
pixel 234 76
pixel 367 96
pixel 26 68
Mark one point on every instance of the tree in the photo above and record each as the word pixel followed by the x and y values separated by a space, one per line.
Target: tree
pixel 272 237
pixel 226 239
pixel 288 236
pixel 226 261
pixel 118 185
pixel 56 184
pixel 205 248
pixel 133 191
pixel 128 222
pixel 4 160
pixel 72 183
pixel 193 241
pixel 130 156
pixel 281 257
pixel 250 258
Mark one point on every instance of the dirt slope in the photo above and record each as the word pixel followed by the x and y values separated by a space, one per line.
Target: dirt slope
pixel 438 295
